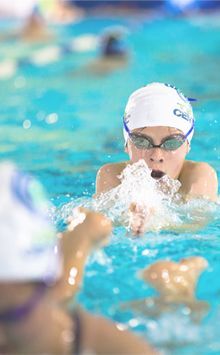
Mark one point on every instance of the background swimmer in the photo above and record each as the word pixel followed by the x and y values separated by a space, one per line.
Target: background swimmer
pixel 37 16
pixel 35 29
pixel 113 54
pixel 158 126
pixel 34 317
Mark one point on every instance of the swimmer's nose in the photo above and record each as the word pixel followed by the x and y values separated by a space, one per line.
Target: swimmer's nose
pixel 156 155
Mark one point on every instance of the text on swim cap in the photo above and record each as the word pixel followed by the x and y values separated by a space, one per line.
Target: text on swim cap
pixel 177 112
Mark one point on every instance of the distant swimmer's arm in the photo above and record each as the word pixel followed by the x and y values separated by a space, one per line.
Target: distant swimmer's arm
pixel 199 180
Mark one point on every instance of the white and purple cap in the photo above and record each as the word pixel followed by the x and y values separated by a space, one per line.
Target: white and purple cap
pixel 158 104
pixel 29 244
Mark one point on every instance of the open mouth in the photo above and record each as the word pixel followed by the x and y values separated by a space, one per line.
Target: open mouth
pixel 157 174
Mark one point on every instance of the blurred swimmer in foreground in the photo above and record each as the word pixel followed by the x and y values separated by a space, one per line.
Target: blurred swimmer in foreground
pixel 158 126
pixel 38 275
pixel 176 283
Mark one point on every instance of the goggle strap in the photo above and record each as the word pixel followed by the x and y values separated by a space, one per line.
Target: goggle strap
pixel 125 126
pixel 191 129
pixel 19 312
pixel 128 131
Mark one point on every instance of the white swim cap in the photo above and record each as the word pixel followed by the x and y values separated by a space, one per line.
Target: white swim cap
pixel 158 104
pixel 28 241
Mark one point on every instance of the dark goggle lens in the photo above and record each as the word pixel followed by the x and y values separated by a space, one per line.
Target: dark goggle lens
pixel 141 142
pixel 173 143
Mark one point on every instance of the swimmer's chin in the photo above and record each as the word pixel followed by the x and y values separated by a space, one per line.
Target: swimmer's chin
pixel 157 174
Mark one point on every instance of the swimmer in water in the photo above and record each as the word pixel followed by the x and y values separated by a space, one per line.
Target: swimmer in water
pixel 158 126
pixel 176 283
pixel 34 30
pixel 37 269
pixel 113 54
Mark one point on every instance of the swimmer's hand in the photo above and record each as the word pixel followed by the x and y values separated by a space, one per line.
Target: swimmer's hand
pixel 139 216
pixel 89 225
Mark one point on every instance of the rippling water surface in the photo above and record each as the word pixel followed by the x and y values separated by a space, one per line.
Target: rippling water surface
pixel 62 126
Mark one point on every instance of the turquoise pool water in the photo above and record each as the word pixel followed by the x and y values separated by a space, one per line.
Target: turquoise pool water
pixel 62 125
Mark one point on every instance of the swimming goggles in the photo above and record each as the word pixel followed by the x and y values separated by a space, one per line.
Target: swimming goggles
pixel 170 143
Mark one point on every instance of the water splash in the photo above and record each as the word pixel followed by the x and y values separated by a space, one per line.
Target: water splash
pixel 137 186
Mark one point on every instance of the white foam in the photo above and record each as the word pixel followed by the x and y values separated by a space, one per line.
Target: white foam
pixel 137 186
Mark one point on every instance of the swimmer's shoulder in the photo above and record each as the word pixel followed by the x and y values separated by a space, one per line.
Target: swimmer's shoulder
pixel 108 176
pixel 199 179
pixel 197 168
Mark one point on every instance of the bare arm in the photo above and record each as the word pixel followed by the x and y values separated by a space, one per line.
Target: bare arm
pixel 107 338
pixel 76 245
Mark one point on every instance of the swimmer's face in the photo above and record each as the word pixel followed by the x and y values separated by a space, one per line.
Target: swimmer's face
pixel 38 332
pixel 169 162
